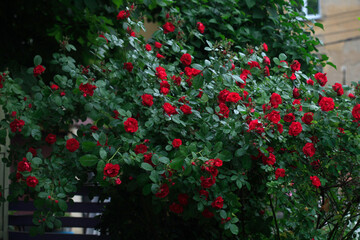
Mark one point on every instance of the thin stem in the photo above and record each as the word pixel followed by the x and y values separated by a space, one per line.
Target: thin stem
pixel 276 224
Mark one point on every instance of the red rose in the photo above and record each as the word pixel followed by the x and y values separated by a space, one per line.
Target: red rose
pixel 50 138
pixel 356 112
pixel 280 172
pixel 161 73
pixel 307 118
pixel 321 78
pixel 297 102
pixel 280 127
pixel 254 64
pixel 159 56
pixel 128 66
pixel 233 97
pixel 207 182
pixel 168 27
pixel 148 47
pixel 204 193
pixel 265 47
pixel 123 14
pixel 266 60
pixel 224 111
pixel 315 181
pixel 177 143
pixel 183 198
pixel 17 125
pixel 255 125
pixel 54 87
pixel 271 160
pixel 72 144
pixel 169 109
pixel 33 151
pixel 24 165
pixel 266 71
pixel 177 80
pixel 309 149
pixel 310 82
pixel 274 116
pixel 131 125
pixel 164 91
pixel 147 100
pixel 158 45
pixel 38 70
pixel 94 128
pixel 207 214
pixel 290 117
pixel 337 87
pixel 295 129
pixel 176 208
pixel 111 170
pixel 186 59
pixel 141 148
pixel 218 203
pixel 147 159
pixel 200 27
pixel 163 191
pixel 87 89
pixel 275 100
pixel 327 104
pixel 32 181
pixel 223 95
pixel 244 74
pixel 296 93
pixel 186 109
pixel 295 66
pixel 351 95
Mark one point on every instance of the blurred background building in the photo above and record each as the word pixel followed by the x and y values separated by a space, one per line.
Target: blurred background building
pixel 341 36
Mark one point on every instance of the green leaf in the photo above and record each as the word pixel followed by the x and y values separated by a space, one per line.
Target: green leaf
pixel 36 134
pixel 62 205
pixel 164 160
pixel 102 138
pixel 223 214
pixel 37 60
pixel 36 161
pixel 88 146
pixel 3 135
pixel 250 3
pixel 177 163
pixel 197 66
pixel 282 56
pixel 43 194
pixel 218 147
pixel 103 153
pixel 117 3
pixel 88 160
pixel 146 166
pixel 175 47
pixel 234 229
pixel 198 82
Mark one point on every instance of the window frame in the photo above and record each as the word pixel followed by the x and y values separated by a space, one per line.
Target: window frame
pixel 308 16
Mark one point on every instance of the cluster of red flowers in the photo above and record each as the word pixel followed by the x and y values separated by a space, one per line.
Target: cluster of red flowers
pixel 87 89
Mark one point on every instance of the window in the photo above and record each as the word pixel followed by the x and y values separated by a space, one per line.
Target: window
pixel 311 8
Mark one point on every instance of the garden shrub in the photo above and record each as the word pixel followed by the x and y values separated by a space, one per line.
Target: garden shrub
pixel 232 145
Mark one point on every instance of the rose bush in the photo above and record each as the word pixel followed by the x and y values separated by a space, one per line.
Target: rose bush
pixel 200 148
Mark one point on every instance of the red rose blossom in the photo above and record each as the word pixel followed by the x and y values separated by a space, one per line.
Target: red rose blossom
pixel 148 47
pixel 280 172
pixel 207 182
pixel 131 125
pixel 310 82
pixel 176 208
pixel 54 87
pixel 309 149
pixel 218 203
pixel 327 104
pixel 224 111
pixel 200 27
pixel 147 100
pixel 275 100
pixel 183 199
pixel 274 116
pixel 295 66
pixel 295 129
pixel 265 47
pixel 128 66
pixel 207 214
pixel 296 93
pixel 337 87
pixel 161 73
pixel 352 96
pixel 321 78
pixel 17 125
pixel 50 138
pixel 186 59
pixel 169 109
pixel 24 165
pixel 315 181
pixel 186 109
pixel 168 27
pixel 307 118
pixel 111 170
pixel 254 64
pixel 233 97
pixel 176 143
pixel 32 181
pixel 159 56
pixel 72 144
pixel 356 112
pixel 123 14
pixel 290 117
pixel 163 191
pixel 158 45
pixel 38 70
pixel 141 148
pixel 33 151
pixel 87 89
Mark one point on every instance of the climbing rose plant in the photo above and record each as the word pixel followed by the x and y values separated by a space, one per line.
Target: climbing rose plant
pixel 238 145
